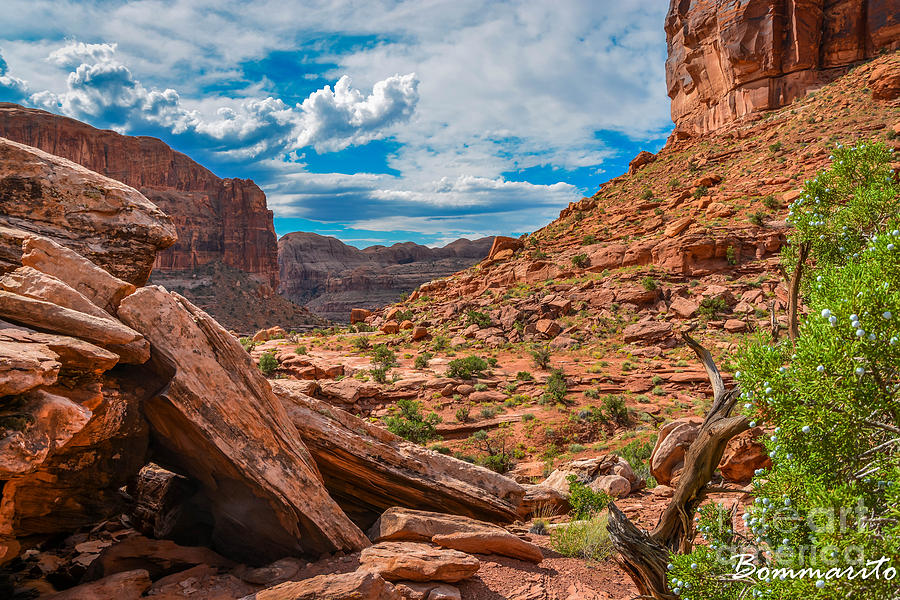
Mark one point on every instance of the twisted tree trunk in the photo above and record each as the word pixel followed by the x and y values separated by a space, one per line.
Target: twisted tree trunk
pixel 644 555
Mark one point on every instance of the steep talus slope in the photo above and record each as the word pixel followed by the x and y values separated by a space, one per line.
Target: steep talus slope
pixel 331 277
pixel 729 59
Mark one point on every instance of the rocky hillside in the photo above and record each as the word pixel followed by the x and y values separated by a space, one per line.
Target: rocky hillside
pixel 731 59
pixel 331 278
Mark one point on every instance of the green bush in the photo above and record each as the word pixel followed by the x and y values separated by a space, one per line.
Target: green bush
pixel 587 540
pixel 474 317
pixel 588 240
pixel 637 454
pixel 649 284
pixel 711 307
pixel 771 202
pixel 580 261
pixel 300 350
pixel 615 409
pixel 411 424
pixel 540 355
pixel 467 368
pixel 830 399
pixel 462 414
pixel 524 376
pixel 700 191
pixel 758 218
pixel 497 456
pixel 556 388
pixel 585 502
pixel 731 255
pixel 421 361
pixel 268 364
pixel 362 342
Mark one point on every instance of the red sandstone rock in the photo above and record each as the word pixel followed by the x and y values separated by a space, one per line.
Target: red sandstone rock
pixel 216 219
pixel 643 158
pixel 359 315
pixel 730 59
pixel 502 243
pixel 743 455
pixel 396 561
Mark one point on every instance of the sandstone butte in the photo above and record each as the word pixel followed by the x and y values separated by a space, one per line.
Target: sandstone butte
pixel 144 454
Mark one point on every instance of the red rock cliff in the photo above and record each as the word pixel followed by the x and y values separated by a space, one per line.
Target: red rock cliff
pixel 216 219
pixel 730 58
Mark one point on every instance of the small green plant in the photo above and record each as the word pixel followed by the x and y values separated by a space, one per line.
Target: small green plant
pixel 649 283
pixel 467 368
pixel 462 414
pixel 421 361
pixel 588 240
pixel 247 343
pixel 701 191
pixel 710 307
pixel 580 260
pixel 300 350
pixel 539 527
pixel 587 540
pixel 474 317
pixel 674 183
pixel 591 393
pixel 615 409
pixel 524 376
pixel 556 388
pixel 647 194
pixel 731 255
pixel 411 424
pixel 528 417
pixel 362 343
pixel 268 364
pixel 489 412
pixel 775 147
pixel 498 456
pixel 540 355
pixel 440 342
pixel 480 387
pixel 758 218
pixel 585 502
pixel 637 454
pixel 771 202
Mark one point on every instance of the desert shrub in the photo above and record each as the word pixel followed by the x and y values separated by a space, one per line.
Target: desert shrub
pixel 830 400
pixel 585 502
pixel 539 527
pixel 615 409
pixel 474 317
pixel 300 350
pixel 587 540
pixel 524 376
pixel 647 194
pixel 247 344
pixel 591 393
pixel 268 364
pixel 362 343
pixel 498 457
pixel 588 240
pixel 421 360
pixel 489 412
pixel 467 368
pixel 462 414
pixel 556 388
pixel 771 202
pixel 701 191
pixel 649 283
pixel 440 342
pixel 411 424
pixel 758 218
pixel 711 307
pixel 580 260
pixel 775 147
pixel 540 356
pixel 731 255
pixel 637 454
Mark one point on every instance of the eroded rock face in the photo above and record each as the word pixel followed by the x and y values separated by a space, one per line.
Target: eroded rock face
pixel 114 225
pixel 216 219
pixel 729 59
pixel 396 561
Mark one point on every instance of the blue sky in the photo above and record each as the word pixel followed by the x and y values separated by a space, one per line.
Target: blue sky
pixel 374 122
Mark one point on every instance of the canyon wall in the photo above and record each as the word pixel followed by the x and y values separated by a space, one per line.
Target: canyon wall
pixel 730 58
pixel 330 277
pixel 223 220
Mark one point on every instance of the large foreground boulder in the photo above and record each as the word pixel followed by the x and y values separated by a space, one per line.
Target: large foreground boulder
pixel 111 224
pixel 218 421
pixel 368 469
